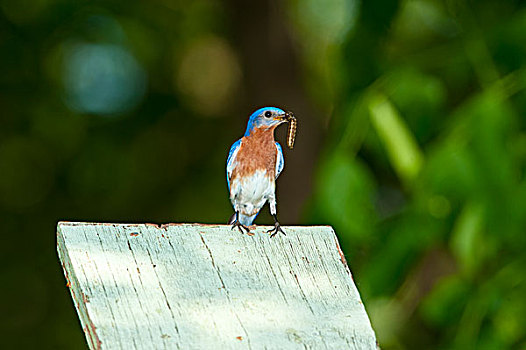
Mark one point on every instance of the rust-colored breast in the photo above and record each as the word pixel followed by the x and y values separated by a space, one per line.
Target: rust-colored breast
pixel 257 152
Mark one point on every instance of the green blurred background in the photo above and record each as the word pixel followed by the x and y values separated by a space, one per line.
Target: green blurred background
pixel 411 143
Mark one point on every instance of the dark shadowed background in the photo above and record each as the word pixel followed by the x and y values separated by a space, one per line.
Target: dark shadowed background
pixel 411 143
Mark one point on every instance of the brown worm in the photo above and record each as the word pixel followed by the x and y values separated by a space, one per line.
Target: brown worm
pixel 291 135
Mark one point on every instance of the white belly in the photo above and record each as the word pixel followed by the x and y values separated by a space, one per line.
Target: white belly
pixel 248 194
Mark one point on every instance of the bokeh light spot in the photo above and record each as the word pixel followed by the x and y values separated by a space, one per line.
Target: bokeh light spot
pixel 102 79
pixel 439 206
pixel 328 21
pixel 209 73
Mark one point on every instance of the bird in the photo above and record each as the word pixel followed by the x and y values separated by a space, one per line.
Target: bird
pixel 253 165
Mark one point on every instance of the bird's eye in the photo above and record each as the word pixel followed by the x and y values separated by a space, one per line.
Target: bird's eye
pixel 268 114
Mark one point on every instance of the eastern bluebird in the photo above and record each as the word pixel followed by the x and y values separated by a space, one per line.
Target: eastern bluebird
pixel 254 163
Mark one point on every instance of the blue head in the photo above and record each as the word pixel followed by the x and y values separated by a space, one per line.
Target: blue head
pixel 265 118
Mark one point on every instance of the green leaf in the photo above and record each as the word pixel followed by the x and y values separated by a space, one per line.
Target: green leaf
pixel 467 241
pixel 345 194
pixel 404 153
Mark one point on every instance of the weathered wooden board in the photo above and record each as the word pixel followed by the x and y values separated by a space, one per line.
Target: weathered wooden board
pixel 191 286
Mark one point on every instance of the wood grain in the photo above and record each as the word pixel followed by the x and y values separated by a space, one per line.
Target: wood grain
pixel 191 286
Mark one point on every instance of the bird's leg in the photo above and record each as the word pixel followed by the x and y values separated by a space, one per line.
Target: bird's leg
pixel 277 227
pixel 235 223
pixel 273 212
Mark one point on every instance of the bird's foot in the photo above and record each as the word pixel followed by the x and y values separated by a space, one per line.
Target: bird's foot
pixel 277 228
pixel 240 226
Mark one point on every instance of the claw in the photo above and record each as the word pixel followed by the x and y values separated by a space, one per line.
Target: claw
pixel 234 220
pixel 240 226
pixel 277 228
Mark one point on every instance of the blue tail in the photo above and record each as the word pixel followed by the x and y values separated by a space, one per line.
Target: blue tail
pixel 246 220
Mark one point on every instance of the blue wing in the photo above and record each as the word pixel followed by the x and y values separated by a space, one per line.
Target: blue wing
pixel 230 160
pixel 280 162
